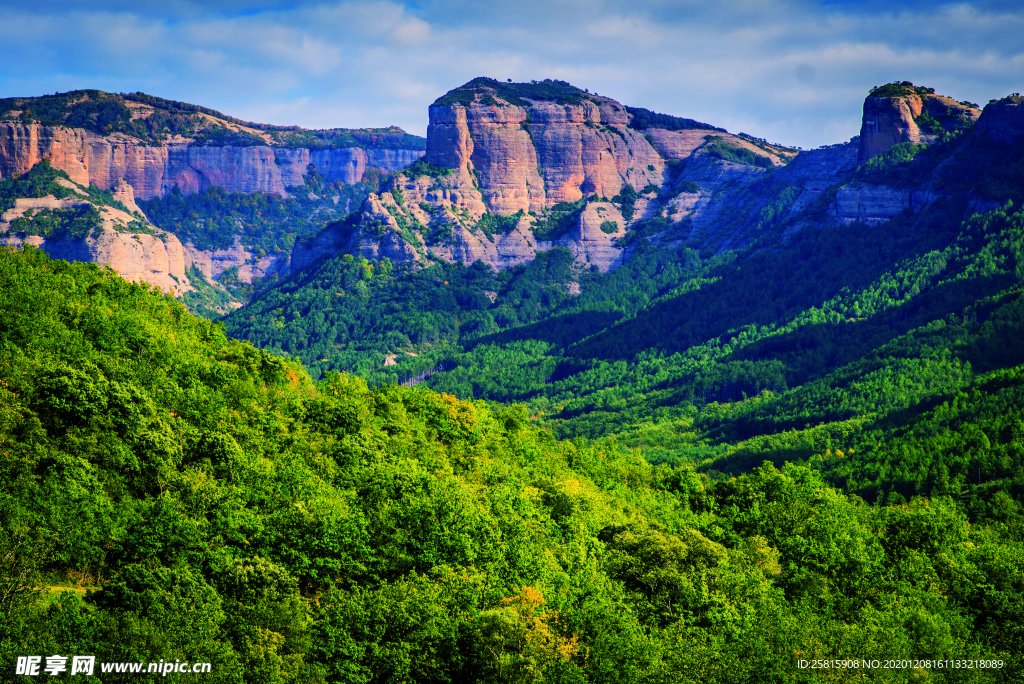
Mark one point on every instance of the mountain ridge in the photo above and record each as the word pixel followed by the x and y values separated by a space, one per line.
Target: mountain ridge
pixel 155 144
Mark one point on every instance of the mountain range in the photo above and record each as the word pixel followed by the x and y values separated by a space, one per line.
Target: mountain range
pixel 572 391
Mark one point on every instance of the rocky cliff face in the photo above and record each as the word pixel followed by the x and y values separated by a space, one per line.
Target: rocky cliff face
pixel 133 247
pixel 514 170
pixel 153 170
pixel 1004 119
pixel 531 158
pixel 504 162
pixel 903 113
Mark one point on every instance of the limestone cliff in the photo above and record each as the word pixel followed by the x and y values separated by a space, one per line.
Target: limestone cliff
pixel 902 112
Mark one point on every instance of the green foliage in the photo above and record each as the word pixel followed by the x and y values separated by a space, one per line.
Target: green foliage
pixel 75 223
pixel 885 167
pixel 420 167
pixel 264 223
pixel 559 219
pixel 206 299
pixel 609 227
pixel 40 181
pixel 641 119
pixel 900 89
pixel 222 136
pixel 106 113
pixel 495 224
pixel 929 124
pixel 720 149
pixel 485 88
pixel 626 199
pixel 94 110
pixel 391 138
pixel 230 510
pixel 343 533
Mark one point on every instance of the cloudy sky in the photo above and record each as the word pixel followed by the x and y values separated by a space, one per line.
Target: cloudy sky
pixel 792 71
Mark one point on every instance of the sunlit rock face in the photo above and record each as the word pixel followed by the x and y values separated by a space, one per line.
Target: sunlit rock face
pixel 154 170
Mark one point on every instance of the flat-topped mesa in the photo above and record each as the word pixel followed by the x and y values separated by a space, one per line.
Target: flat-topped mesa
pixel 902 112
pixel 530 146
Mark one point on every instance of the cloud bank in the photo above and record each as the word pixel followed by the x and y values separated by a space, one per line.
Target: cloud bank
pixel 793 72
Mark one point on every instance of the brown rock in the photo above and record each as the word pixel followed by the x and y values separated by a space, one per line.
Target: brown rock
pixel 124 194
pixel 888 121
pixel 154 170
pixel 531 158
pixel 137 256
pixel 592 246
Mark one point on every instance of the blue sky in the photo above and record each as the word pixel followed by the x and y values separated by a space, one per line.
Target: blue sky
pixel 792 71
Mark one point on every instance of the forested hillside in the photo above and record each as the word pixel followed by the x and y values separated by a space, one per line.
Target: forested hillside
pixel 824 335
pixel 170 493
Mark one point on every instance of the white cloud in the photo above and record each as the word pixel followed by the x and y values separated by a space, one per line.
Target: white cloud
pixel 789 70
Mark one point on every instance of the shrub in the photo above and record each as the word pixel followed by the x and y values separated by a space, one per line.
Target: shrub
pixel 900 89
pixel 641 119
pixel 883 168
pixel 420 167
pixel 716 147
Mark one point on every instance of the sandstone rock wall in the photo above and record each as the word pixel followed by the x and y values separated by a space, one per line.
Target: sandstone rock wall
pixel 531 158
pixel 154 170
pixel 157 259
pixel 888 121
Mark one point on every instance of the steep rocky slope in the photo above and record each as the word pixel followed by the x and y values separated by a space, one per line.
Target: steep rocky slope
pixel 901 112
pixel 514 169
pixel 154 144
pixel 69 222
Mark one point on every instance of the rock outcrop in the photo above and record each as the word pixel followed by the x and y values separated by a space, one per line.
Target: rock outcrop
pixel 1004 119
pixel 901 112
pixel 212 263
pixel 134 248
pixel 505 161
pixel 872 204
pixel 531 158
pixel 153 170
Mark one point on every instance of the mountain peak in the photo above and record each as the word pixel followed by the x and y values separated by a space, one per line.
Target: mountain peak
pixel 490 91
pixel 901 112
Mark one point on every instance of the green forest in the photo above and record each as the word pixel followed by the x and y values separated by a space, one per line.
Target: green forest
pixel 171 493
pixel 773 450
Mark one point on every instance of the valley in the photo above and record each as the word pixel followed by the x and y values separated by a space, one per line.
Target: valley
pixel 569 390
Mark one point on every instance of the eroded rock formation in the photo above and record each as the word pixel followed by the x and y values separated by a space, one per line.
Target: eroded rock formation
pixel 133 247
pixel 506 164
pixel 153 170
pixel 1004 119
pixel 902 113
